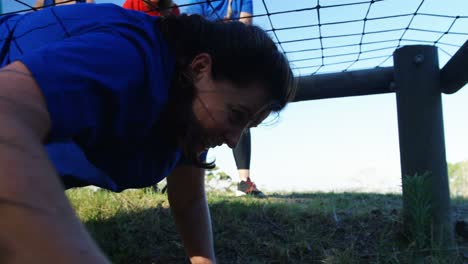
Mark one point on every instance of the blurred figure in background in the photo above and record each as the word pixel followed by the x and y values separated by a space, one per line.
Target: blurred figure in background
pixel 153 7
pixel 226 11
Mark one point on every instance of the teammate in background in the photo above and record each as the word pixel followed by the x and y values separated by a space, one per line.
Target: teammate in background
pixel 226 11
pixel 153 7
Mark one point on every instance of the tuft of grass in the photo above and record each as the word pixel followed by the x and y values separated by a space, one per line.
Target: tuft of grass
pixel 418 221
pixel 136 227
pixel 417 213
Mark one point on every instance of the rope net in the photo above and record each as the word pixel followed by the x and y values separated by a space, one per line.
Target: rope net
pixel 340 35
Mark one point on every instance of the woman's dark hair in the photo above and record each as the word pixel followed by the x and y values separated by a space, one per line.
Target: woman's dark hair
pixel 241 54
pixel 159 6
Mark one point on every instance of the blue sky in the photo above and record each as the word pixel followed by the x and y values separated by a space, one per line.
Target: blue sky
pixel 345 143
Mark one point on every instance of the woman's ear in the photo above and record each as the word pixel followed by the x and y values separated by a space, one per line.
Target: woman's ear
pixel 201 65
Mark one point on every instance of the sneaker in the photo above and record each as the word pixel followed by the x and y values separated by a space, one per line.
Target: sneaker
pixel 249 188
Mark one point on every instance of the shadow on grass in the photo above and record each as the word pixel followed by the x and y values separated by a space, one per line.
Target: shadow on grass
pixel 284 228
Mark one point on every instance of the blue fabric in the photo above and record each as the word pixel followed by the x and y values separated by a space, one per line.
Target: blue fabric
pixel 105 73
pixel 52 2
pixel 217 10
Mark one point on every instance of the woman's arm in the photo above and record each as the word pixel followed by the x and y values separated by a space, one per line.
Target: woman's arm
pixel 37 222
pixel 186 192
pixel 246 12
pixel 39 4
pixel 245 18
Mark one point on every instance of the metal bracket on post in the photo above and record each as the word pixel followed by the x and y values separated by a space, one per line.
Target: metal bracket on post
pixel 421 130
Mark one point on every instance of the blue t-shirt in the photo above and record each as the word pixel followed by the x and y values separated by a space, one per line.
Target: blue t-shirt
pixel 104 73
pixel 217 10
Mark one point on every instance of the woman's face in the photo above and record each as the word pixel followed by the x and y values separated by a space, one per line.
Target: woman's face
pixel 223 110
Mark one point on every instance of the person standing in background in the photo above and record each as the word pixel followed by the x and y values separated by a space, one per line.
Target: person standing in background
pixel 153 7
pixel 223 10
pixel 227 11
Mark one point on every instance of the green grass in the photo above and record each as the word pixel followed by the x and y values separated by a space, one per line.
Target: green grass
pixel 136 227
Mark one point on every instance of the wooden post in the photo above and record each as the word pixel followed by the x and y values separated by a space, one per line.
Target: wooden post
pixel 421 131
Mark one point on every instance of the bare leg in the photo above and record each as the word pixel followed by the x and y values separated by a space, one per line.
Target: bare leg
pixel 244 174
